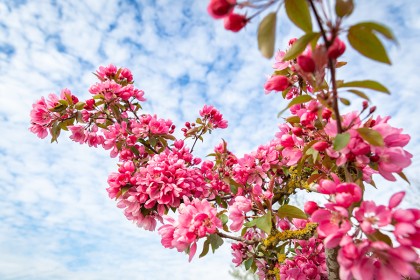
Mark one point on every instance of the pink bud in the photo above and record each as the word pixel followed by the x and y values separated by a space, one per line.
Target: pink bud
pixel 220 8
pixel 365 104
pixel 297 131
pixel 321 146
pixel 277 83
pixel 336 49
pixel 292 41
pixel 372 109
pixel 306 63
pixel 310 207
pixel 283 224
pixel 235 22
pixel 326 113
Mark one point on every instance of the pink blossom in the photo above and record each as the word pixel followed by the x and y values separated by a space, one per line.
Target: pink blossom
pixel 237 212
pixel 197 218
pixel 280 64
pixel 40 114
pixel 333 225
pixel 106 72
pixel 371 216
pixel 392 160
pixel 78 133
pixel 366 260
pixel 213 116
pixel 291 156
pixel 347 193
pixel 39 130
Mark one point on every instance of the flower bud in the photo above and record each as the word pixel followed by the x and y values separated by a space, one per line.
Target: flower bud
pixel 297 131
pixel 372 109
pixel 292 41
pixel 277 83
pixel 306 63
pixel 310 207
pixel 220 8
pixel 336 49
pixel 321 146
pixel 326 113
pixel 235 22
pixel 344 7
pixel 365 105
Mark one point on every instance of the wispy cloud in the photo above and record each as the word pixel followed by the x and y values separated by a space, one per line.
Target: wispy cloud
pixel 56 221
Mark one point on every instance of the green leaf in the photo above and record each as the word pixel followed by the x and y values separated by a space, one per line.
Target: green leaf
pixel 206 247
pixel 263 223
pixel 55 131
pixel 371 136
pixel 267 35
pixel 298 13
pixel 367 43
pixel 369 84
pixel 291 212
pixel 297 100
pixel 58 108
pixel 224 218
pixel 300 45
pixel 345 101
pixel 341 141
pixel 379 236
pixel 215 241
pixel 79 105
pixel 344 7
pixel 248 263
pixel 380 28
pixel 359 93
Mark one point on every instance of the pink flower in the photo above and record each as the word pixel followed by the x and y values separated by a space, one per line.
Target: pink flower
pixel 276 83
pixel 280 64
pixel 78 133
pixel 197 218
pixel 347 193
pixel 291 156
pixel 237 212
pixel 392 159
pixel 371 216
pixel 40 114
pixel 333 225
pixel 235 22
pixel 39 130
pixel 213 116
pixel 106 72
pixel 220 8
pixel 366 260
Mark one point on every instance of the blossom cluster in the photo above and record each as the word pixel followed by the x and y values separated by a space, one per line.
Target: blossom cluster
pixel 367 252
pixel 212 199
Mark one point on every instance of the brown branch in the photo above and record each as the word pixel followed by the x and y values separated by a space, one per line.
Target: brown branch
pixel 240 239
pixel 331 66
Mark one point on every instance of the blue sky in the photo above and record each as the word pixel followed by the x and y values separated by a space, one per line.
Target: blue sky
pixel 56 221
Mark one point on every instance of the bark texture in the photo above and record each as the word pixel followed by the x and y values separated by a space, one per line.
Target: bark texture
pixel 332 264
